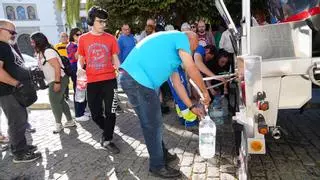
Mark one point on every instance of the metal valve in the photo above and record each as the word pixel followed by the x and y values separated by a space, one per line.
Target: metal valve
pixel 260 96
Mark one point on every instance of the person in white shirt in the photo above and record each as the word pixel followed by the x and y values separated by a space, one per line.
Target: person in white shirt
pixel 51 65
pixel 225 42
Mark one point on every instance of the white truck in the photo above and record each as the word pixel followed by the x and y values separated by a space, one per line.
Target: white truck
pixel 278 62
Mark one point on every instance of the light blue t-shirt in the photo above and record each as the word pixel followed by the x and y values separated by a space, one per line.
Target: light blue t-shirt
pixel 155 58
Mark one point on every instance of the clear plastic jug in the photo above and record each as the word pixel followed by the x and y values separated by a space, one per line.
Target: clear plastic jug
pixel 207 138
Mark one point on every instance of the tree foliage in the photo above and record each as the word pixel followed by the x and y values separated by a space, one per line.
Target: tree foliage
pixel 136 12
pixel 71 9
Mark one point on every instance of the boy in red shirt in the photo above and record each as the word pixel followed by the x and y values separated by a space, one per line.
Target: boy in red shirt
pixel 98 53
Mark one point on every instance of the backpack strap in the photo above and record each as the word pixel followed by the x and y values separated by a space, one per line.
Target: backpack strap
pixel 45 60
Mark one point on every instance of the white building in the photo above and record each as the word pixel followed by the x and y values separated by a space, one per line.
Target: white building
pixel 30 16
pixel 37 15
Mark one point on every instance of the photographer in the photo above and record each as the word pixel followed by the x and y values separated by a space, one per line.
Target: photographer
pixel 13 75
pixel 14 44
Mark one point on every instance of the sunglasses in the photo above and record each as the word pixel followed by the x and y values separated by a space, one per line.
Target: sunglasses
pixel 10 31
pixel 78 34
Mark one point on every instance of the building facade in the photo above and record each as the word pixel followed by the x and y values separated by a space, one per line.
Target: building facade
pixel 33 15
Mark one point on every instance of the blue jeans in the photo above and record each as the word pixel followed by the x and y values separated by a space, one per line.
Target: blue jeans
pixel 146 103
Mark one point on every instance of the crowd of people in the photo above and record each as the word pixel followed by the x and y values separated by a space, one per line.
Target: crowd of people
pixel 141 65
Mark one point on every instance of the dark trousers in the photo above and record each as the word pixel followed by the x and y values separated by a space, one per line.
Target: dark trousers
pixel 231 61
pixel 66 93
pixel 79 107
pixel 17 123
pixel 102 101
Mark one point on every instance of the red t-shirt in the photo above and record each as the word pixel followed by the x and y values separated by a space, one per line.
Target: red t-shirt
pixel 97 51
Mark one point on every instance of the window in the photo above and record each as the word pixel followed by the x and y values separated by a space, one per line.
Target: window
pixel 31 13
pixel 10 13
pixel 21 12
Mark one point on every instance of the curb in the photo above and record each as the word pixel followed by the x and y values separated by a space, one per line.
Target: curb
pixel 40 106
pixel 46 106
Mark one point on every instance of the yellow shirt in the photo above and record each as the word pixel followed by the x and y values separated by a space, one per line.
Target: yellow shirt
pixel 62 49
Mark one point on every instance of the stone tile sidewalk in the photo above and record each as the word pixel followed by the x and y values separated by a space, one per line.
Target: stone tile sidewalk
pixel 297 154
pixel 76 154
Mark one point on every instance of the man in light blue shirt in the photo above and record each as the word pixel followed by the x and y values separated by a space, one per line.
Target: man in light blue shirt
pixel 126 42
pixel 149 64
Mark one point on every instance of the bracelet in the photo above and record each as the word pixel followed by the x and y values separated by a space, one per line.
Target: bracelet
pixel 57 82
pixel 192 106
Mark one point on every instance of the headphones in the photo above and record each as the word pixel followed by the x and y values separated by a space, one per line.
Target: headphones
pixel 92 14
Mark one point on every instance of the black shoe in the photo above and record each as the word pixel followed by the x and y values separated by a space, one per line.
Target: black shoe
pixel 110 146
pixel 170 157
pixel 31 130
pixel 32 148
pixel 27 157
pixel 166 172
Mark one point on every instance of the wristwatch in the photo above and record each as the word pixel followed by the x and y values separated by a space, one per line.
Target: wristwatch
pixel 57 82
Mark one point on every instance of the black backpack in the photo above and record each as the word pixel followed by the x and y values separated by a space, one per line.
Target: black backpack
pixel 65 61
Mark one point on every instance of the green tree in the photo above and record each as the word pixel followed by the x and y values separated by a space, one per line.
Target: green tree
pixel 136 12
pixel 72 9
pixel 175 12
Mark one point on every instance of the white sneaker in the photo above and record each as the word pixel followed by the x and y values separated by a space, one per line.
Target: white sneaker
pixel 70 123
pixel 59 128
pixel 82 118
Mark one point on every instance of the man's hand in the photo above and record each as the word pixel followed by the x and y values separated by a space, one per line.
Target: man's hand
pixel 222 79
pixel 115 61
pixel 206 99
pixel 199 111
pixel 56 87
pixel 18 86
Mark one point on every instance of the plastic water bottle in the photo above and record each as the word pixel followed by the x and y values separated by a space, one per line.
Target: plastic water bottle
pixel 216 110
pixel 207 138
pixel 81 88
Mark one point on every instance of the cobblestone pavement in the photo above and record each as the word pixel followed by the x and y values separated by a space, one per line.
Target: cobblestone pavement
pixel 294 156
pixel 76 154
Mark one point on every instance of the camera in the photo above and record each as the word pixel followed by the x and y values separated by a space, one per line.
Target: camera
pixel 37 78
